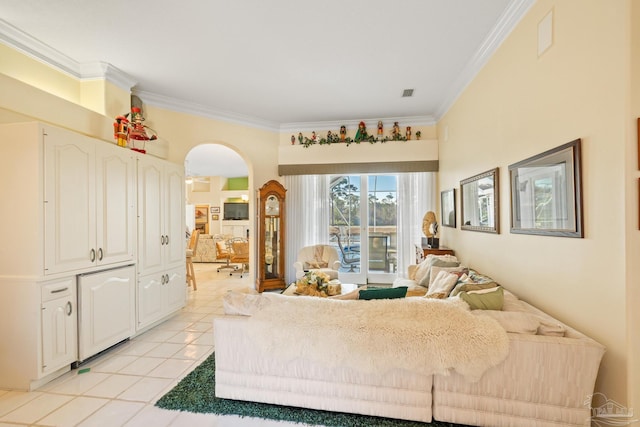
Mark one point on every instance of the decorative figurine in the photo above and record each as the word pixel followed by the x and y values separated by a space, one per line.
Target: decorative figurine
pixel 418 134
pixel 313 135
pixel 121 130
pixel 329 136
pixel 408 133
pixel 380 127
pixel 361 134
pixel 300 137
pixel 293 140
pixel 395 131
pixel 343 133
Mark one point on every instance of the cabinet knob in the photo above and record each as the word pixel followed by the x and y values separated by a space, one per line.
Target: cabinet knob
pixel 100 254
pixel 92 255
pixel 69 308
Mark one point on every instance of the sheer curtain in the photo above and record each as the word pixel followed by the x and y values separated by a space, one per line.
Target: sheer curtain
pixel 307 216
pixel 416 196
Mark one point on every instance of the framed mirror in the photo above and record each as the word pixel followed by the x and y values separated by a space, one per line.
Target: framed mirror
pixel 479 202
pixel 546 193
pixel 448 207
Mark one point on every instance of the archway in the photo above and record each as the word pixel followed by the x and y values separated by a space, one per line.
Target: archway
pixel 218 189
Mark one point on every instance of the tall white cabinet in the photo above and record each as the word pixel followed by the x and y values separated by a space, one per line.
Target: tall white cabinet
pixel 72 207
pixel 161 237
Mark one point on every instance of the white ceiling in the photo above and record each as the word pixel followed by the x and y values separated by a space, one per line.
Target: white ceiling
pixel 279 64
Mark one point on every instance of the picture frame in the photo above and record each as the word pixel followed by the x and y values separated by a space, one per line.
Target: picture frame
pixel 215 217
pixel 215 209
pixel 546 193
pixel 448 207
pixel 480 202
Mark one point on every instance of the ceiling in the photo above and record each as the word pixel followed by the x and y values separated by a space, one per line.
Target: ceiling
pixel 278 64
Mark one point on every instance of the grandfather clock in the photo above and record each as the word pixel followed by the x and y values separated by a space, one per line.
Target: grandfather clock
pixel 271 217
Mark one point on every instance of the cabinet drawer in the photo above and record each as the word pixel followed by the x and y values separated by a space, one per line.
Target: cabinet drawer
pixel 58 289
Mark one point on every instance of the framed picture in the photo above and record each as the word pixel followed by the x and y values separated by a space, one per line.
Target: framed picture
pixel 546 193
pixel 448 207
pixel 215 217
pixel 480 202
pixel 215 209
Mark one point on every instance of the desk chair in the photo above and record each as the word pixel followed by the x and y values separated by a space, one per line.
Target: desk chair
pixel 240 254
pixel 224 251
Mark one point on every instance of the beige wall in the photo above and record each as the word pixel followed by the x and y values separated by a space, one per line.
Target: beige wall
pixel 520 105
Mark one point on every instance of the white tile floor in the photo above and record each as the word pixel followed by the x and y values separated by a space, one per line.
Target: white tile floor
pixel 123 384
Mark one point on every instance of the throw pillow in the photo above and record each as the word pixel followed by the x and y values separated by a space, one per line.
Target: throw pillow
pixel 383 293
pixel 488 299
pixel 466 287
pixel 423 275
pixel 443 283
pixel 550 328
pixel 458 271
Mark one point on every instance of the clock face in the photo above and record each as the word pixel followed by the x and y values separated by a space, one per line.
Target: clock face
pixel 272 207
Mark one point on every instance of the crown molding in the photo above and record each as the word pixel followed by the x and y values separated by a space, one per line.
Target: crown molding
pixel 187 107
pixel 507 22
pixel 41 52
pixel 103 70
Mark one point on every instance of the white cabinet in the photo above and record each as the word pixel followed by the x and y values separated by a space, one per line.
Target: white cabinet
pixel 161 239
pixel 161 216
pixel 59 325
pixel 89 201
pixel 106 309
pixel 160 294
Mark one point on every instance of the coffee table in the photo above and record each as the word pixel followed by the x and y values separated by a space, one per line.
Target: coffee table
pixel 345 288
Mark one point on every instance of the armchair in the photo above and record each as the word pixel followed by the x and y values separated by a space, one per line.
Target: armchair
pixel 322 258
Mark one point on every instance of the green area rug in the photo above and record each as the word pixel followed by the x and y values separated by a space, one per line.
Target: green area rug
pixel 195 393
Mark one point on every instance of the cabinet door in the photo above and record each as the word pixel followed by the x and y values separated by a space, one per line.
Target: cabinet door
pixel 174 220
pixel 115 209
pixel 150 296
pixel 175 289
pixel 59 325
pixel 106 309
pixel 151 237
pixel 70 229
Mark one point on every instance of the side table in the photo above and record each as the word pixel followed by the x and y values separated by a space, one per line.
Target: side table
pixel 442 250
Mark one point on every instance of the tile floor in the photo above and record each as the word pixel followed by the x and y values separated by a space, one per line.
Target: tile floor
pixel 124 383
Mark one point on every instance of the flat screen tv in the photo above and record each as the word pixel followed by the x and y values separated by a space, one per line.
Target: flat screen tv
pixel 236 211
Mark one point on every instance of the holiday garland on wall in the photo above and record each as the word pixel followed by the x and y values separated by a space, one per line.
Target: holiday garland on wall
pixel 361 136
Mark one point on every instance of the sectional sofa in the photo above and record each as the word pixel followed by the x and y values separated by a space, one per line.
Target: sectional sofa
pixel 544 377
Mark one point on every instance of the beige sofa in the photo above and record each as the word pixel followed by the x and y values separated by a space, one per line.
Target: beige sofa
pixel 548 373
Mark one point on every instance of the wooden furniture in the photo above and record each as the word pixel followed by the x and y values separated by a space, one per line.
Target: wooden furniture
pixel 271 225
pixel 191 251
pixel 437 251
pixel 240 254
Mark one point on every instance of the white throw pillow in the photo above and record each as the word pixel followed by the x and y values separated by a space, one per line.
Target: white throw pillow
pixel 443 283
pixel 435 270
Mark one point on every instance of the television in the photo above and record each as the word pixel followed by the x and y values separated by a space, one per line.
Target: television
pixel 235 211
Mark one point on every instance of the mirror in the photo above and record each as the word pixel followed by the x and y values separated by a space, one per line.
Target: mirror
pixel 479 196
pixel 546 194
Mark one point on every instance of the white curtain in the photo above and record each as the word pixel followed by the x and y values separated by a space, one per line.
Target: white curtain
pixel 308 215
pixel 307 218
pixel 416 196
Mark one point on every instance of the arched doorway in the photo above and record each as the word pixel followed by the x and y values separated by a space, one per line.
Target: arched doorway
pixel 218 197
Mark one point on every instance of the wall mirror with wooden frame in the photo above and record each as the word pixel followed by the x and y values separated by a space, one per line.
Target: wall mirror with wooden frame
pixel 479 202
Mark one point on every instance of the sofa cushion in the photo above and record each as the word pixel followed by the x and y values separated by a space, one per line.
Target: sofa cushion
pixel 383 293
pixel 515 322
pixel 486 299
pixel 459 271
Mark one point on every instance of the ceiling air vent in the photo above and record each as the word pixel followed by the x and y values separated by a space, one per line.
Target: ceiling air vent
pixel 407 93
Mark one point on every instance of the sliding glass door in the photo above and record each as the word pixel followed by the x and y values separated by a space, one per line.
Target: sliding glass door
pixel 368 248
